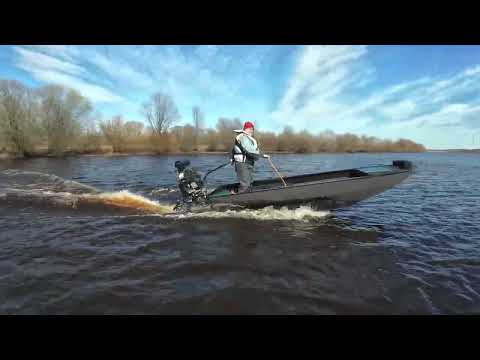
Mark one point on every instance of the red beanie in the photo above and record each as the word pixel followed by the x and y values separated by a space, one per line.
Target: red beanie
pixel 247 125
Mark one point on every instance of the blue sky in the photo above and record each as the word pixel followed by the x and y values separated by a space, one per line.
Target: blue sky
pixel 429 94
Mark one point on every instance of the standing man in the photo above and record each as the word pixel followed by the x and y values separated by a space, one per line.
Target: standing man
pixel 244 154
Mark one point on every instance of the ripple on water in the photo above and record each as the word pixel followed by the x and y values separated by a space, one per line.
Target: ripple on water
pixel 411 250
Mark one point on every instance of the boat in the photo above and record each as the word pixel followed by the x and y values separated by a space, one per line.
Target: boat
pixel 323 190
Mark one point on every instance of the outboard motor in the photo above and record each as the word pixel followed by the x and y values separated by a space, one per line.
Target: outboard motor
pixel 403 164
pixel 191 186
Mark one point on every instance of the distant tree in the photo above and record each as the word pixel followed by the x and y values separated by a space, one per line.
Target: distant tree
pixel 225 132
pixel 303 142
pixel 177 131
pixel 212 140
pixel 63 111
pixel 62 118
pixel 285 139
pixel 347 143
pixel 115 132
pixel 326 141
pixel 198 125
pixel 267 140
pixel 134 129
pixel 17 116
pixel 160 112
pixel 188 138
pixel 92 136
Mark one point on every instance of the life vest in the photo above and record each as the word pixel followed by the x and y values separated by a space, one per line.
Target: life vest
pixel 239 154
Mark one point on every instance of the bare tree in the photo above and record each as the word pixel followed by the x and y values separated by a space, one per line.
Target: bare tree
pixel 92 136
pixel 115 132
pixel 225 129
pixel 303 142
pixel 134 129
pixel 188 138
pixel 285 139
pixel 17 116
pixel 197 124
pixel 62 117
pixel 63 112
pixel 212 140
pixel 326 141
pixel 160 112
pixel 267 140
pixel 184 137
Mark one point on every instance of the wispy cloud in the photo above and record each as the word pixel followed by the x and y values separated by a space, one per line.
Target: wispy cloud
pixel 65 52
pixel 48 69
pixel 321 95
pixel 452 126
pixel 321 75
pixel 449 115
pixel 214 76
pixel 32 59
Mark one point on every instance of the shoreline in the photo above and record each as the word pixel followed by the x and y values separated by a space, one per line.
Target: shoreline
pixel 6 156
pixel 456 150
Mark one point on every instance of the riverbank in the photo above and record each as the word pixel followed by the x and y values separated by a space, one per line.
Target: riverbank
pixel 9 156
pixel 456 151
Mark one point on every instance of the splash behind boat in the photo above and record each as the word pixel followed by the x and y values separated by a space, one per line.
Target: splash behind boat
pixel 324 190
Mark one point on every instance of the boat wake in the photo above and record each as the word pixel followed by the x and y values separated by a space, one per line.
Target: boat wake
pixel 303 213
pixel 125 199
pixel 18 188
pixel 33 188
pixel 163 191
pixel 31 180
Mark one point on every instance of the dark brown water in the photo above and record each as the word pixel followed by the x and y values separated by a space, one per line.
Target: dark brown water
pixel 96 239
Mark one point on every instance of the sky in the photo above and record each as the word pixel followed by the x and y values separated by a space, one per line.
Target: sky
pixel 428 94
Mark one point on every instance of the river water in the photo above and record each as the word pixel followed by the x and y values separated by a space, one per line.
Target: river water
pixel 95 235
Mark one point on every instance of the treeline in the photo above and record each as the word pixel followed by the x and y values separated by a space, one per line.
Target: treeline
pixel 55 120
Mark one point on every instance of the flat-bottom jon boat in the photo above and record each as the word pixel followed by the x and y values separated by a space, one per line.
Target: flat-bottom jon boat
pixel 325 190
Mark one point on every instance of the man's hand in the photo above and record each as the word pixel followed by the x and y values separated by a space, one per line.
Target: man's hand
pixel 266 156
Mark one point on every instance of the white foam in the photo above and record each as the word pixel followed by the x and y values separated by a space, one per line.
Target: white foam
pixel 162 191
pixel 303 213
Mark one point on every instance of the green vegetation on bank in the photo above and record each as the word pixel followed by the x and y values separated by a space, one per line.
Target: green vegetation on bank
pixel 55 121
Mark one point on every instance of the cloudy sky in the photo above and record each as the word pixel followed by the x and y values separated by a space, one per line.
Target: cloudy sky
pixel 429 94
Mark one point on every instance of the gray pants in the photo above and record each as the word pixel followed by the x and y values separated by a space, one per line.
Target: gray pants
pixel 244 175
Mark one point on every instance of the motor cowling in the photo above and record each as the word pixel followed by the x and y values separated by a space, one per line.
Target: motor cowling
pixel 403 164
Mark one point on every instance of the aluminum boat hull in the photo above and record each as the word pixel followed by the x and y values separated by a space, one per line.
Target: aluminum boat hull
pixel 327 190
